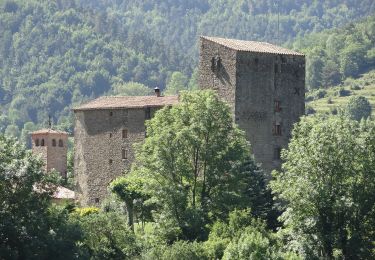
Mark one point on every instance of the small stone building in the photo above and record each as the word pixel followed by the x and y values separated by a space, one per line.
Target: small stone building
pixel 105 131
pixel 265 86
pixel 52 146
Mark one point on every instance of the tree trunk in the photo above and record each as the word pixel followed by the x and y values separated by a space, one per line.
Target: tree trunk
pixel 130 210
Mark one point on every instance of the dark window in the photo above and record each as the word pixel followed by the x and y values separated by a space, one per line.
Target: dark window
pixel 124 154
pixel 277 129
pixel 215 63
pixel 148 113
pixel 277 153
pixel 42 142
pixel 96 200
pixel 37 142
pixel 277 106
pixel 124 133
pixel 256 61
pixel 110 135
pixel 111 113
pixel 61 144
pixel 276 68
pixel 110 161
pixel 53 142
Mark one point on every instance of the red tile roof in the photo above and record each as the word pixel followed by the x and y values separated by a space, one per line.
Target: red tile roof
pixel 252 46
pixel 117 102
pixel 48 131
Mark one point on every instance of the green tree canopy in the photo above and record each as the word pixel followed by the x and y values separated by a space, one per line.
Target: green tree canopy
pixel 328 184
pixel 29 228
pixel 189 160
pixel 131 89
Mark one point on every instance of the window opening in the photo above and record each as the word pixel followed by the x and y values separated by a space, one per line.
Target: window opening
pixel 61 144
pixel 37 142
pixel 277 106
pixel 277 129
pixel 42 142
pixel 53 142
pixel 148 113
pixel 124 154
pixel 277 153
pixel 124 133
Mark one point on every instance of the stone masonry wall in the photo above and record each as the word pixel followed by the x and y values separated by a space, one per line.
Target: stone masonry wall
pixel 99 146
pixel 54 157
pixel 270 92
pixel 255 83
pixel 221 78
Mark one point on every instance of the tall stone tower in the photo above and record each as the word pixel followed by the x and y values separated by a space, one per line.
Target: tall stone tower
pixel 52 146
pixel 264 85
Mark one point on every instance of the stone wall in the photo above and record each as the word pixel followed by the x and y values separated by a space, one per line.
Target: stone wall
pixel 264 90
pixel 222 76
pixel 54 157
pixel 100 148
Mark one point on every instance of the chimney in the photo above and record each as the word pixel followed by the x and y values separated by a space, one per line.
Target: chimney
pixel 157 91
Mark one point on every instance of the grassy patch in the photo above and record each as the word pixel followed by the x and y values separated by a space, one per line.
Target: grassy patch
pixel 362 86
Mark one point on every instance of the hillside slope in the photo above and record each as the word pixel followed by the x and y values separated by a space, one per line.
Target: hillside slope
pixel 55 53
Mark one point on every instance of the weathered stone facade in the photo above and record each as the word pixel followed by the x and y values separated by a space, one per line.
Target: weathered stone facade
pixel 105 131
pixel 265 86
pixel 52 147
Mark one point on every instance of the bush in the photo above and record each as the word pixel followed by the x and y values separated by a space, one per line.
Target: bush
pixel 180 250
pixel 343 92
pixel 321 93
pixel 329 101
pixel 358 107
pixel 107 236
pixel 310 111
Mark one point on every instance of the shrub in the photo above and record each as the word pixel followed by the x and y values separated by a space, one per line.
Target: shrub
pixel 321 93
pixel 343 92
pixel 358 107
pixel 310 111
pixel 181 250
pixel 329 101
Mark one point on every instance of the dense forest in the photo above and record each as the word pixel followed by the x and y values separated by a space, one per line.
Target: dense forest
pixel 56 54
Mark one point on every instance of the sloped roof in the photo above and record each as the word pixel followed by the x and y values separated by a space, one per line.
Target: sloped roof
pixel 48 131
pixel 117 102
pixel 252 46
pixel 63 193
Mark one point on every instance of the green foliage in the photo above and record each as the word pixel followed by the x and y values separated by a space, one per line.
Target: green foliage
pixel 179 250
pixel 334 55
pixel 107 236
pixel 131 191
pixel 86 211
pixel 131 89
pixel 358 107
pixel 56 54
pixel 190 161
pixel 178 82
pixel 327 185
pixel 244 237
pixel 29 229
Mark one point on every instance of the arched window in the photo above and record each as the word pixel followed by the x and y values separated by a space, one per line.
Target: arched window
pixel 36 142
pixel 61 144
pixel 42 142
pixel 53 142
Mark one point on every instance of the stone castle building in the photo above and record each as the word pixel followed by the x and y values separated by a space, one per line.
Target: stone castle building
pixel 105 131
pixel 265 86
pixel 52 147
pixel 263 83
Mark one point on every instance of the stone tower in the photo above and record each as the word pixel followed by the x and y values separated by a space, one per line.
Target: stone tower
pixel 104 133
pixel 265 87
pixel 52 146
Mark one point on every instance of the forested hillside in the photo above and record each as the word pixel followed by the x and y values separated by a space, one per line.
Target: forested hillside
pixel 54 54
